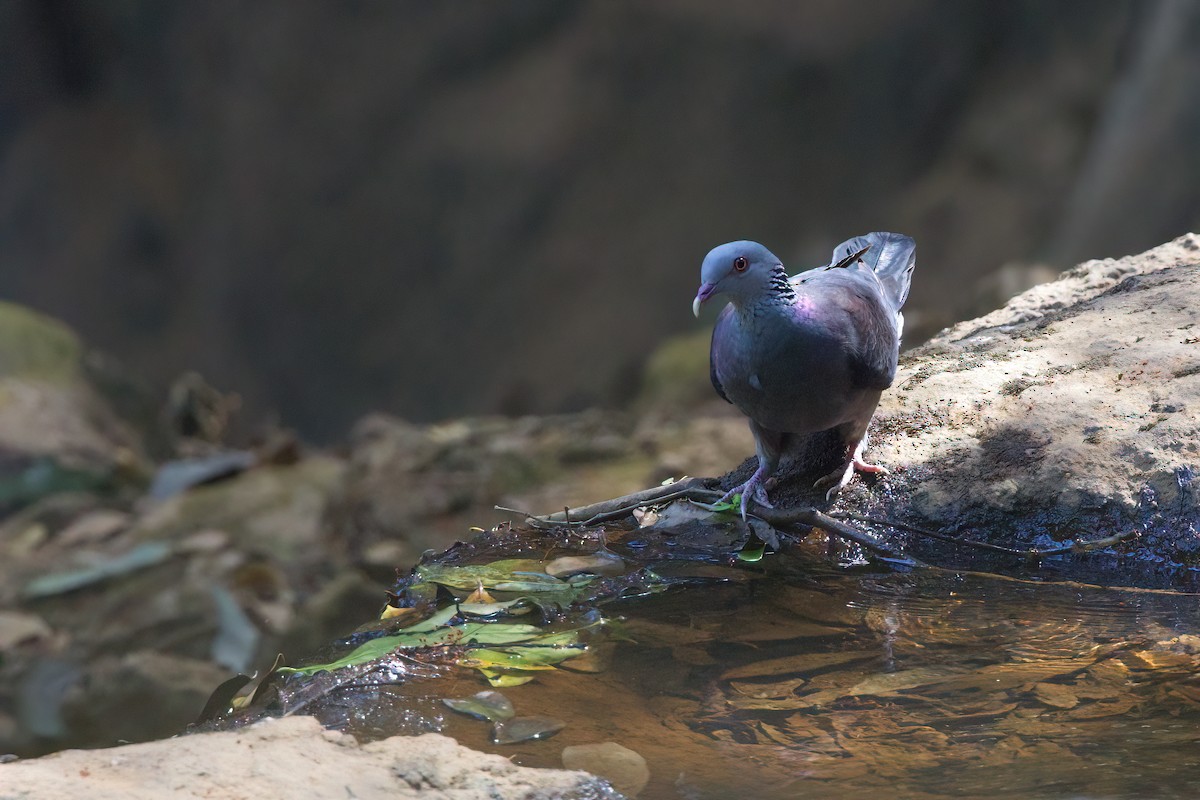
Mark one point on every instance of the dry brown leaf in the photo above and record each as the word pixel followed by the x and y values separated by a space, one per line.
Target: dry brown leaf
pixel 480 596
pixel 1055 695
pixel 798 664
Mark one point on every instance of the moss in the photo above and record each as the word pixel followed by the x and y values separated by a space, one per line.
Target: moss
pixel 33 345
pixel 677 373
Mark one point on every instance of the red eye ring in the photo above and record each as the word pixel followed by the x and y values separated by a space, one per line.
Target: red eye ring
pixel 740 263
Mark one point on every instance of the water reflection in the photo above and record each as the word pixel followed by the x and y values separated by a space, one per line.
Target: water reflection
pixel 923 685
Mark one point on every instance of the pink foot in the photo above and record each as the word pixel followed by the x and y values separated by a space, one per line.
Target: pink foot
pixel 841 476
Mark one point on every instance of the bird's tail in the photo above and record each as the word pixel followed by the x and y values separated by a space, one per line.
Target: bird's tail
pixel 891 256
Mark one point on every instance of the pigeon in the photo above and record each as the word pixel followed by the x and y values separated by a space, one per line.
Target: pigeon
pixel 809 353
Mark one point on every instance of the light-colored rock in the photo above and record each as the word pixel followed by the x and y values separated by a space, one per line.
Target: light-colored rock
pixel 1074 411
pixel 17 627
pixel 93 527
pixel 290 758
pixel 625 769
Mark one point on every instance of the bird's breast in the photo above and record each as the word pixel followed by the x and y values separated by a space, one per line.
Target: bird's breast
pixel 784 375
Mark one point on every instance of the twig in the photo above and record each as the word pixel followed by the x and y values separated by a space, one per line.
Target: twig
pixel 619 507
pixel 1032 552
pixel 516 511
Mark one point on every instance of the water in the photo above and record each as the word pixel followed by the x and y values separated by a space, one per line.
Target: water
pixel 802 680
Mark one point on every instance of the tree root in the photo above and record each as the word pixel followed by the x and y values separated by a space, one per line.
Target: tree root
pixel 791 521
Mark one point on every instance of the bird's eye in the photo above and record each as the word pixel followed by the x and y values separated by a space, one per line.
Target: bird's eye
pixel 740 263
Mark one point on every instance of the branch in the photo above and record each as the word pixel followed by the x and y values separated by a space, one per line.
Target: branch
pixel 620 507
pixel 693 489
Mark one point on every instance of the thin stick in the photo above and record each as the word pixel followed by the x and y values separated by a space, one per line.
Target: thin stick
pixel 1074 546
pixel 815 519
pixel 618 507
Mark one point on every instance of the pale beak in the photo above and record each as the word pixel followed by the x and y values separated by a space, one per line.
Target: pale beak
pixel 705 292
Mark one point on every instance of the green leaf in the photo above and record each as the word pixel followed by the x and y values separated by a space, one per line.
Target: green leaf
pixel 528 585
pixel 753 550
pixel 502 660
pixel 504 679
pixel 492 610
pixel 470 576
pixel 437 620
pixel 471 633
pixel 367 651
pixel 733 504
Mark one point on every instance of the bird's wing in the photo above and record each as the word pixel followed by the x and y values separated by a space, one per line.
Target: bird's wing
pixel 712 354
pixel 852 306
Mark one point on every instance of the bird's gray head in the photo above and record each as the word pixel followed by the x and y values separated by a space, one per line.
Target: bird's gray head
pixel 743 270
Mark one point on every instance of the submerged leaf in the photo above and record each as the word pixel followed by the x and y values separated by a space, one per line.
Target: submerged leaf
pixel 501 660
pixel 524 729
pixel 502 679
pixel 599 563
pixel 798 664
pixel 594 658
pixel 490 706
pixel 1055 695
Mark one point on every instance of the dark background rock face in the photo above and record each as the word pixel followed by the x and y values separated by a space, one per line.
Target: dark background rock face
pixel 447 208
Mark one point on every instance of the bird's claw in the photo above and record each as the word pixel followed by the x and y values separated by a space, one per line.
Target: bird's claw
pixel 751 489
pixel 837 480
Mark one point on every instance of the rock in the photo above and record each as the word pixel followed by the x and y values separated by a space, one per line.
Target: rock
pixel 196 411
pixel 58 431
pixel 1071 412
pixel 292 757
pixel 227 573
pixel 17 627
pixel 137 696
pixel 93 527
pixel 429 484
pixel 625 769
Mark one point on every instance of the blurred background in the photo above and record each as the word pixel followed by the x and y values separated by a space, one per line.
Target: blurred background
pixel 438 209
